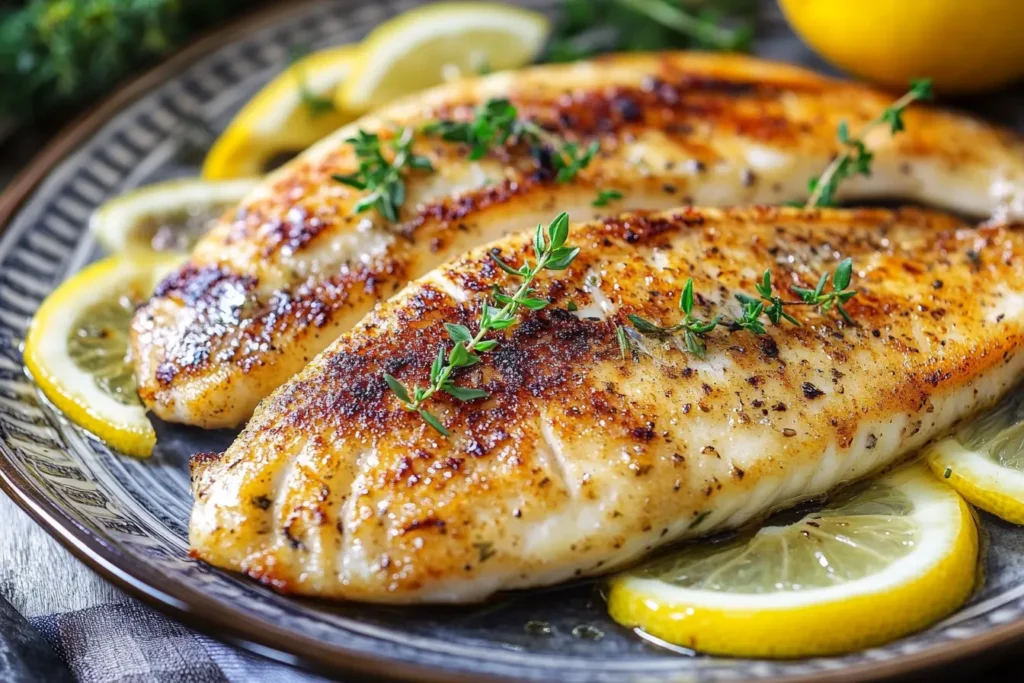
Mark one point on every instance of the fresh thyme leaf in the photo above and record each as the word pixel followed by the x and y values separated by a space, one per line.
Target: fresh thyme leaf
pixel 458 333
pixel 855 158
pixel 839 295
pixel 497 121
pixel 384 179
pixel 647 327
pixel 433 421
pixel 552 254
pixel 620 334
pixel 604 197
pixel 397 387
pixel 701 28
pixel 464 393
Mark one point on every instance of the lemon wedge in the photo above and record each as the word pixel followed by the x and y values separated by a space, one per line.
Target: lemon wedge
pixel 77 349
pixel 288 115
pixel 876 563
pixel 167 216
pixel 984 460
pixel 435 43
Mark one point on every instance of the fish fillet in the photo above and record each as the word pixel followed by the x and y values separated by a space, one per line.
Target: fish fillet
pixel 279 279
pixel 583 459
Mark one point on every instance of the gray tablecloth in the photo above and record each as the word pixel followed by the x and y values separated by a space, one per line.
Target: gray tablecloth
pixel 102 634
pixel 105 636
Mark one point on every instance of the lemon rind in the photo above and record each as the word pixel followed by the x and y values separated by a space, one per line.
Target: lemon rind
pixel 111 224
pixel 393 39
pixel 259 129
pixel 819 622
pixel 124 428
pixel 983 482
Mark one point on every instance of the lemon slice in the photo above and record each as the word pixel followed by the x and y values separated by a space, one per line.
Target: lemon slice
pixel 984 460
pixel 167 216
pixel 77 349
pixel 288 115
pixel 432 44
pixel 873 565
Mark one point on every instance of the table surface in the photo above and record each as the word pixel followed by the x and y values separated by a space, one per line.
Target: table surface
pixel 40 578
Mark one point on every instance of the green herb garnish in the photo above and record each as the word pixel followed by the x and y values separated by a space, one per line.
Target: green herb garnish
pixel 385 180
pixel 693 328
pixel 856 158
pixel 316 105
pixel 552 254
pixel 620 335
pixel 753 308
pixel 497 121
pixel 839 295
pixel 589 27
pixel 606 196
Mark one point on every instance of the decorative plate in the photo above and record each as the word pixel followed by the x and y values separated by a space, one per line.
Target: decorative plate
pixel 128 518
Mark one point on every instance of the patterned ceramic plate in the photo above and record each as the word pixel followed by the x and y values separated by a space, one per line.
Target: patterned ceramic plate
pixel 127 518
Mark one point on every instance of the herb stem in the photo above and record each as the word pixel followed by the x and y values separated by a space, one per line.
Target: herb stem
pixel 552 254
pixel 824 187
pixel 507 311
pixel 680 20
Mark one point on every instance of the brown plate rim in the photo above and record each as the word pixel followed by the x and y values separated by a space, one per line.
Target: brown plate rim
pixel 236 626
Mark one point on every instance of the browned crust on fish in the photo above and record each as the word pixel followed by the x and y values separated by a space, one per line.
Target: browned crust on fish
pixel 428 511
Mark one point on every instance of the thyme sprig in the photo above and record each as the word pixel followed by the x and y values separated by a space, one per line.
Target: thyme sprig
pixel 693 328
pixel 855 158
pixel 767 304
pixel 497 121
pixel 552 254
pixel 383 178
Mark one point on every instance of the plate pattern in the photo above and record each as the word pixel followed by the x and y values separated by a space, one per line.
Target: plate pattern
pixel 129 518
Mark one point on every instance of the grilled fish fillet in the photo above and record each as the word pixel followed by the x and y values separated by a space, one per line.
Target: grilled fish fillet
pixel 583 460
pixel 278 280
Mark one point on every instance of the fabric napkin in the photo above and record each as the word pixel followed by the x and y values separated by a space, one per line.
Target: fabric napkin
pixel 105 636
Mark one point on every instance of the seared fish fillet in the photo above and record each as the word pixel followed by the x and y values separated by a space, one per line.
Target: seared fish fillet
pixel 582 460
pixel 278 280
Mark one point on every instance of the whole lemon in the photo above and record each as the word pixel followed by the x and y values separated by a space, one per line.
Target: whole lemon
pixel 962 45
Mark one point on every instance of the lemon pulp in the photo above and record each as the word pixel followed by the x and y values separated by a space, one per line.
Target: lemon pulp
pixel 434 43
pixel 873 565
pixel 98 345
pixel 856 535
pixel 984 460
pixel 169 216
pixel 77 348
